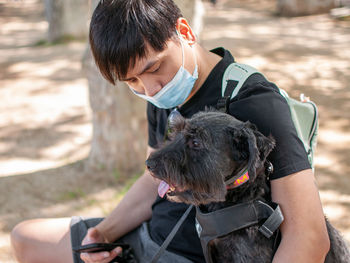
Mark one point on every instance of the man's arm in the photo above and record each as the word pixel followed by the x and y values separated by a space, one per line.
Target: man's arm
pixel 304 232
pixel 134 208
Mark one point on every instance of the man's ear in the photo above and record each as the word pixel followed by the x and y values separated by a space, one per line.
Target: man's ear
pixel 185 31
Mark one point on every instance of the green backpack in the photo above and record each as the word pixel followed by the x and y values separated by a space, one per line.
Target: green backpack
pixel 304 112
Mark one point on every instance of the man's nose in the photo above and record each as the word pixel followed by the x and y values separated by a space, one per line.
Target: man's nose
pixel 153 90
pixel 149 86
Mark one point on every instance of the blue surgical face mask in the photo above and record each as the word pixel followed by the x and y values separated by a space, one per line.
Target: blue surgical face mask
pixel 177 90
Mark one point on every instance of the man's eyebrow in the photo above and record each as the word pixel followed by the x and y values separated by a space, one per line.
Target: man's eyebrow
pixel 147 67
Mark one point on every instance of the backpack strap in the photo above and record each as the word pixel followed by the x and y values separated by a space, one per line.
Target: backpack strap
pixel 233 79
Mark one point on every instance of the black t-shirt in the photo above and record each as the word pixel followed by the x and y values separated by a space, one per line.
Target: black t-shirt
pixel 258 101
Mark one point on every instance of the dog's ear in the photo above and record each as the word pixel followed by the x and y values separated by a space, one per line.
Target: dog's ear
pixel 176 122
pixel 248 144
pixel 264 144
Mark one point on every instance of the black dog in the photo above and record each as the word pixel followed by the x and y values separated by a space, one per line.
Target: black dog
pixel 202 154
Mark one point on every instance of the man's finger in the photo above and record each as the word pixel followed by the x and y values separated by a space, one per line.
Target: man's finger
pixel 117 251
pixel 113 253
pixel 96 257
pixel 90 237
pixel 93 233
pixel 85 257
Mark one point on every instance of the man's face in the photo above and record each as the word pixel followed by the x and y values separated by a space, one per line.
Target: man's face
pixel 151 73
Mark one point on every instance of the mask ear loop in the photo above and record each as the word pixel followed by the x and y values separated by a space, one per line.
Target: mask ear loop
pixel 183 54
pixel 195 61
pixel 182 48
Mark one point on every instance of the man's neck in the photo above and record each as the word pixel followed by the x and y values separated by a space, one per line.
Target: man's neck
pixel 206 62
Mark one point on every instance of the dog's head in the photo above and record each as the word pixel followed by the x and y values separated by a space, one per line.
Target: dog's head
pixel 203 152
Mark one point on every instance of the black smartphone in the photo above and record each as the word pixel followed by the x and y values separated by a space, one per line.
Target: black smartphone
pixel 98 247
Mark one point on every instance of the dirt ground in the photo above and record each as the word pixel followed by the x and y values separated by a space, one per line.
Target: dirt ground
pixel 45 116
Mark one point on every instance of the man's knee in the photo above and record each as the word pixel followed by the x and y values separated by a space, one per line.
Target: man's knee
pixel 41 240
pixel 26 241
pixel 20 242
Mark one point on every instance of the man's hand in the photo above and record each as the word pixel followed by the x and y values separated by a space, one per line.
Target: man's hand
pixel 94 236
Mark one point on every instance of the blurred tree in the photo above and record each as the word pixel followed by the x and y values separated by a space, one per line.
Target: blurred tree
pixel 119 123
pixel 119 118
pixel 303 7
pixel 67 18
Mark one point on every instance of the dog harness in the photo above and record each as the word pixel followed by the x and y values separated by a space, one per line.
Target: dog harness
pixel 229 219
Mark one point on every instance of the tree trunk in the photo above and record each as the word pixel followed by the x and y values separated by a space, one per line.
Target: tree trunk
pixel 67 18
pixel 119 138
pixel 303 7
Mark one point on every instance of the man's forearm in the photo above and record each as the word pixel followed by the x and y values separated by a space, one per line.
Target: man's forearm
pixel 134 209
pixel 300 250
pixel 304 232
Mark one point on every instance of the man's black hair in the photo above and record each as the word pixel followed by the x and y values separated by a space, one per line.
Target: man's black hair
pixel 119 30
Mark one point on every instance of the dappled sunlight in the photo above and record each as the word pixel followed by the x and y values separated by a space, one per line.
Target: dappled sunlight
pixel 334 137
pixel 19 25
pixel 256 60
pixel 323 161
pixel 14 30
pixel 27 149
pixel 45 120
pixel 59 124
pixel 16 166
pixel 44 69
pixel 10 38
pixel 5 246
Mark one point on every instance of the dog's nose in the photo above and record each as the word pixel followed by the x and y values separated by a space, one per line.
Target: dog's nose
pixel 150 164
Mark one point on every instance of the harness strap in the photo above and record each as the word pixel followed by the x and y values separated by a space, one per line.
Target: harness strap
pixel 274 218
pixel 171 235
pixel 224 221
pixel 223 104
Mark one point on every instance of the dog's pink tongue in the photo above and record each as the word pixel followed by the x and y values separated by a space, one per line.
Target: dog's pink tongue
pixel 163 188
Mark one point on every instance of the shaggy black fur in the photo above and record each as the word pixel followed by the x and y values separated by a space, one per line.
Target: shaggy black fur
pixel 201 154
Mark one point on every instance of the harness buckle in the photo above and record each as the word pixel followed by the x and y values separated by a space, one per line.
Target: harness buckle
pixel 272 223
pixel 223 104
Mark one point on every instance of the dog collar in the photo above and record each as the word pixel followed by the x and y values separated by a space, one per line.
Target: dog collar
pixel 238 180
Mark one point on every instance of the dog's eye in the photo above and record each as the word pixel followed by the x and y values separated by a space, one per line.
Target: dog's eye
pixel 194 143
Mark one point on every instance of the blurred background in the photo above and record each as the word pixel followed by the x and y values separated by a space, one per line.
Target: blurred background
pixel 71 144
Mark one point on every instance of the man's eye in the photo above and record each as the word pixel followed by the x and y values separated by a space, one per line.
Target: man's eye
pixel 155 70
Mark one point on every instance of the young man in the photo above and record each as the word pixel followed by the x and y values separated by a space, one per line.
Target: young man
pixel 148 44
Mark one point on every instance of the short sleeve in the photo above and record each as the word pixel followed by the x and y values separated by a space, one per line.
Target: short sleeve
pixel 262 104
